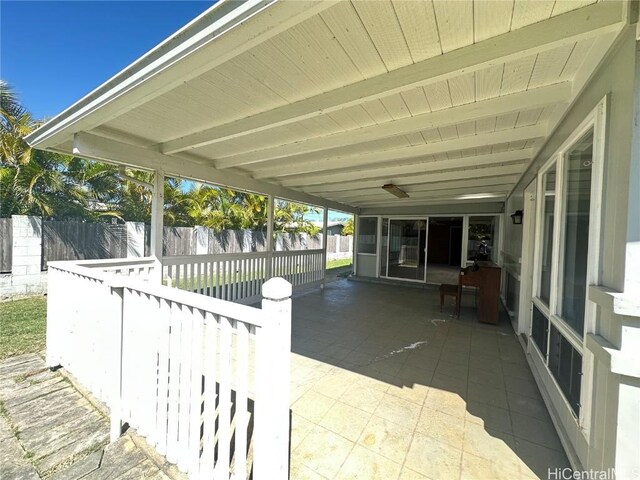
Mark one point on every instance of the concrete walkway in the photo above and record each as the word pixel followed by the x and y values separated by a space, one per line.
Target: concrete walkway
pixel 50 430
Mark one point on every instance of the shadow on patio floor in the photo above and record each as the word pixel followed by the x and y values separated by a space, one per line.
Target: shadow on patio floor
pixel 383 385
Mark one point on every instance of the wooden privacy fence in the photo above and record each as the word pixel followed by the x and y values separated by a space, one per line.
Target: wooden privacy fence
pixel 61 240
pixel 69 240
pixel 206 381
pixel 6 244
pixel 239 277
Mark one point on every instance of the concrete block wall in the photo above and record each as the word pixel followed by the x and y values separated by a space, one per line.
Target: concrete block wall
pixel 26 277
pixel 335 248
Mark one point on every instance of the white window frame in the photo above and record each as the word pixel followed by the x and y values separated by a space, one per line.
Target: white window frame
pixel 377 233
pixel 595 121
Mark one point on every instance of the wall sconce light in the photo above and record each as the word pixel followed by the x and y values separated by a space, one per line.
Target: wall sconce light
pixel 517 217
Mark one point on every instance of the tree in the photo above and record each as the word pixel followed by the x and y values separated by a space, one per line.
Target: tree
pixel 347 228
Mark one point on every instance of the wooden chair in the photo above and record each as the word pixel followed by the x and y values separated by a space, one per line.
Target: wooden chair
pixel 451 290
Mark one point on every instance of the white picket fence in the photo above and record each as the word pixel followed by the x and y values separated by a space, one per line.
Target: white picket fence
pixel 239 277
pixel 206 381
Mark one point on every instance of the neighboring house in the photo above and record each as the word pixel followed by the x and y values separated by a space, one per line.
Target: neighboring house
pixel 464 114
pixel 333 228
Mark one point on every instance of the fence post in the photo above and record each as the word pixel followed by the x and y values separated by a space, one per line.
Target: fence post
pixel 271 451
pixel 55 319
pixel 116 408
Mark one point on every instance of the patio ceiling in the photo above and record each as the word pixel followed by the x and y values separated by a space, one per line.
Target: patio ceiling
pixel 448 100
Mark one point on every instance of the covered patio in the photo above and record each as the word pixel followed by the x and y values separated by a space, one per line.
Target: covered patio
pixel 385 386
pixel 476 112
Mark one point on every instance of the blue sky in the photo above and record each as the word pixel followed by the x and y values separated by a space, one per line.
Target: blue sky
pixel 55 52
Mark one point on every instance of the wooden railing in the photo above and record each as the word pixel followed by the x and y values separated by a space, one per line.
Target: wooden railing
pixel 206 381
pixel 239 277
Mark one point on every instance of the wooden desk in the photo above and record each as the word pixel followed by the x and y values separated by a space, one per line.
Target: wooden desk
pixel 487 280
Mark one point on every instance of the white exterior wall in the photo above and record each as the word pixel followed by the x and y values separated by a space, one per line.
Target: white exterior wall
pixel 613 439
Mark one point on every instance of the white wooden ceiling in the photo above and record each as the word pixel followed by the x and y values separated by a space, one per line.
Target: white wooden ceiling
pixel 449 100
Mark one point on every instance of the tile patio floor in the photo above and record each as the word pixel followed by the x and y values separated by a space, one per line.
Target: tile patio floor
pixel 462 403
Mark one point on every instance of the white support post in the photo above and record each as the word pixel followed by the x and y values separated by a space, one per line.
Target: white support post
pixel 325 221
pixel 270 215
pixel 157 226
pixel 356 221
pixel 271 448
pixel 115 415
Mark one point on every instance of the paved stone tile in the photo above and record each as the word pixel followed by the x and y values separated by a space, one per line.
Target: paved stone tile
pixel 399 411
pixel 441 426
pixel 386 438
pixel 414 392
pixel 61 434
pixel 475 468
pixel 536 431
pixel 537 459
pixel 362 397
pixel 479 392
pixel 302 472
pixel 81 468
pixel 313 406
pixel 522 386
pixel 345 420
pixel 366 465
pixel 445 401
pixel 408 474
pixel 323 451
pixel 433 458
pixel 488 416
pixel 13 461
pixel 490 445
pixel 300 427
pixel 450 384
pixel 526 405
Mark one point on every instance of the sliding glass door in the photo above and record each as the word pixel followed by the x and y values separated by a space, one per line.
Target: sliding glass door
pixel 432 249
pixel 405 257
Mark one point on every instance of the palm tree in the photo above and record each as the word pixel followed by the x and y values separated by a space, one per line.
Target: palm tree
pixel 15 124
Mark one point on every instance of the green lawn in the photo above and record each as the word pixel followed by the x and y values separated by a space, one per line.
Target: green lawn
pixel 339 263
pixel 22 326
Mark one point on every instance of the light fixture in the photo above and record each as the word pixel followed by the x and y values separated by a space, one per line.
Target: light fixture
pixel 393 190
pixel 517 217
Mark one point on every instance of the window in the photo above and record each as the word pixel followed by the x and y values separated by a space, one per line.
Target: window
pixel 367 235
pixel 567 259
pixel 482 234
pixel 548 205
pixel 575 219
pixel 539 329
pixel 565 363
pixel 385 243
